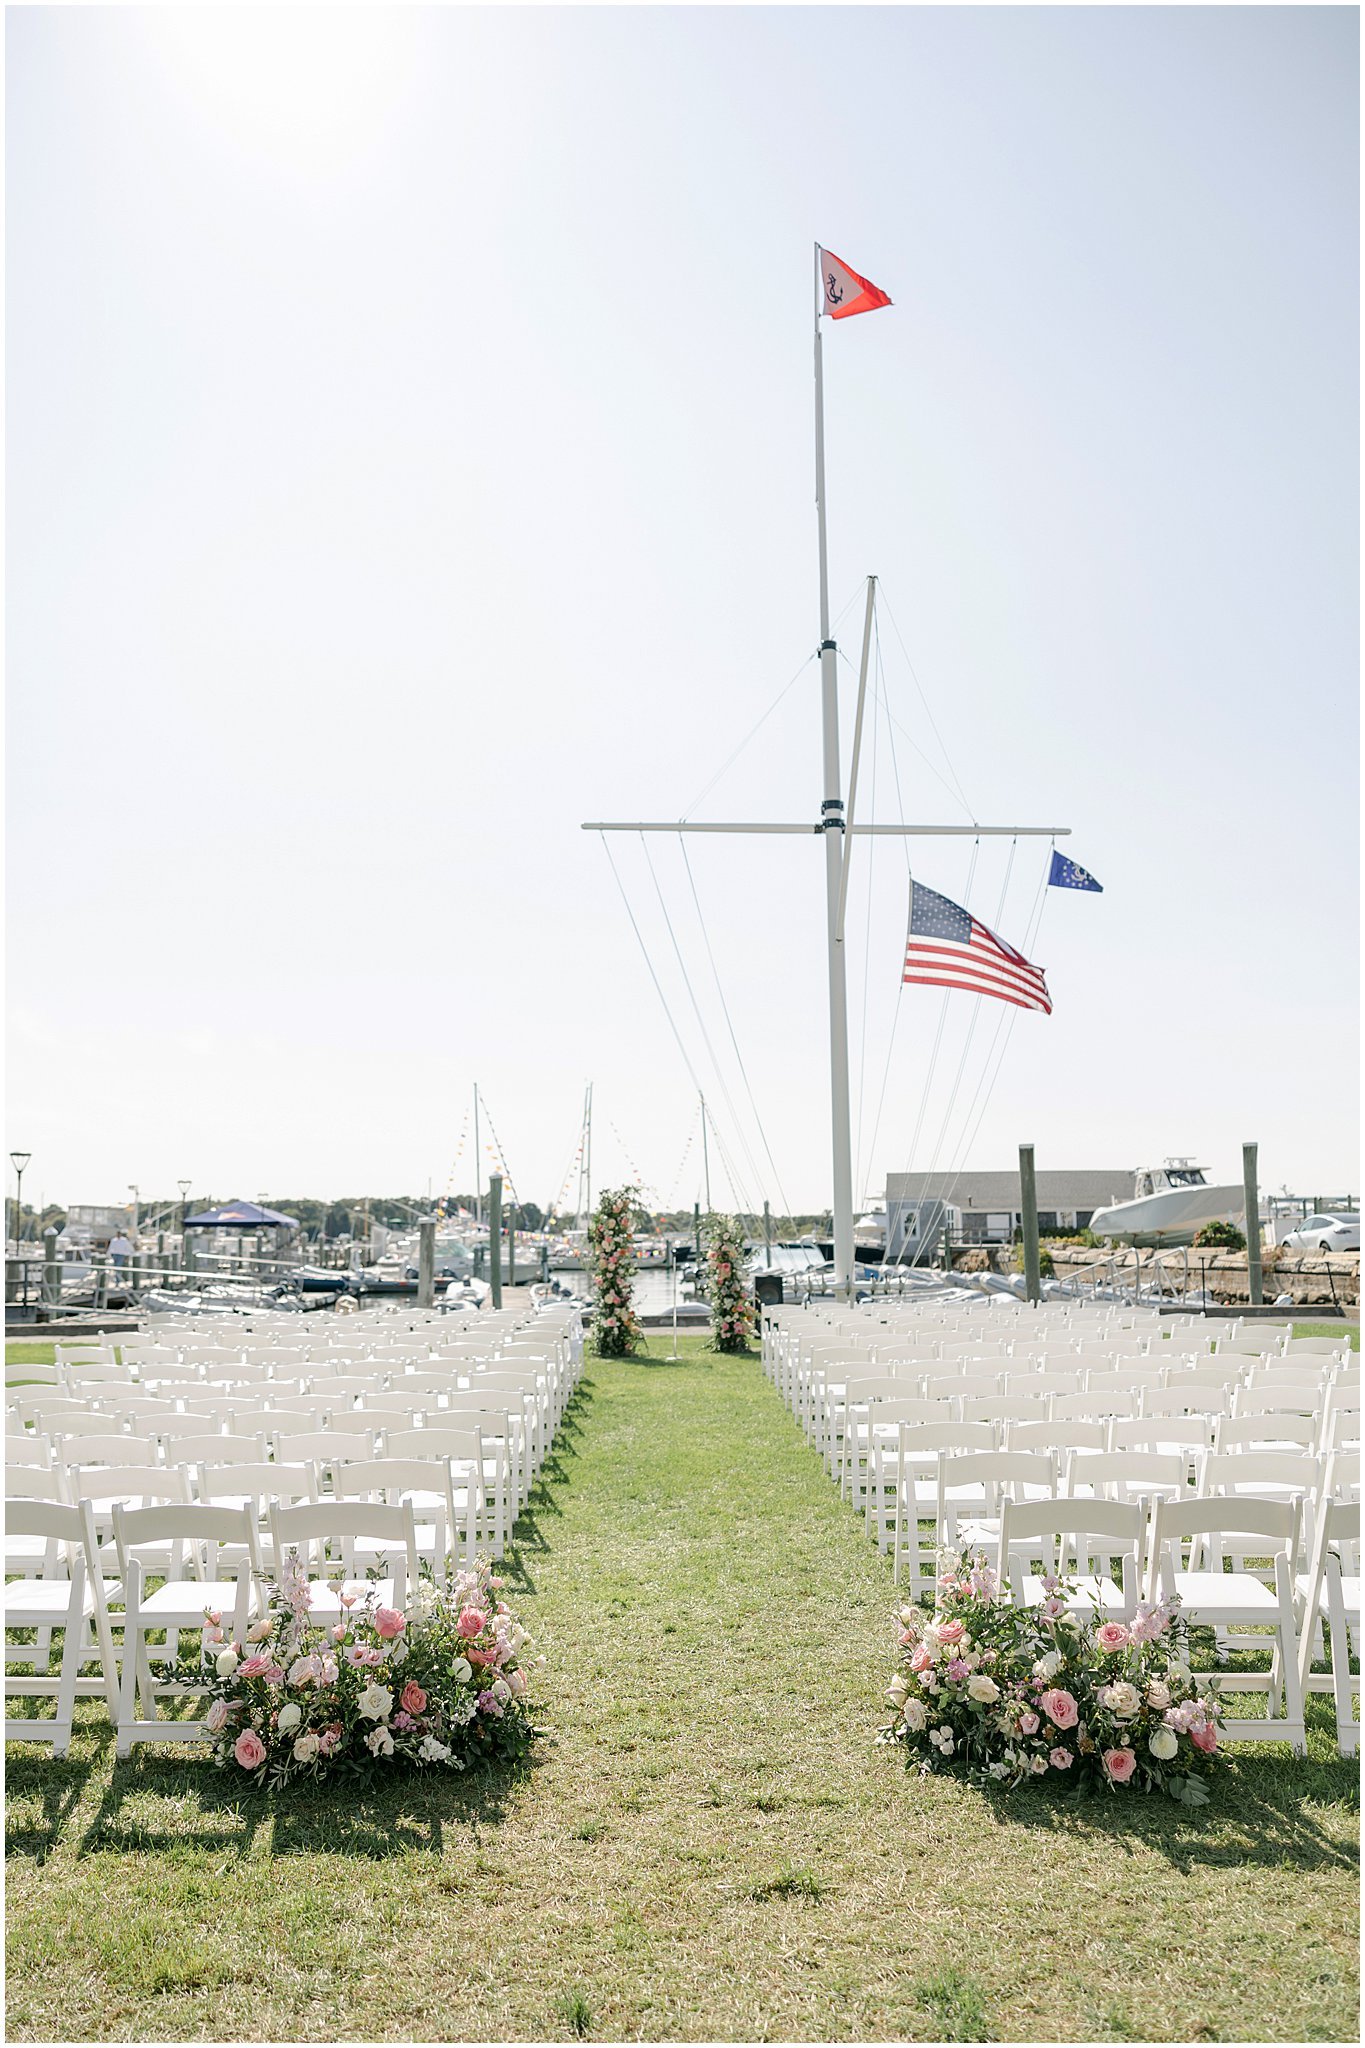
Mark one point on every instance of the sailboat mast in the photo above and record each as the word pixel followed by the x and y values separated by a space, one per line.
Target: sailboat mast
pixel 832 821
pixel 478 1164
pixel 588 1146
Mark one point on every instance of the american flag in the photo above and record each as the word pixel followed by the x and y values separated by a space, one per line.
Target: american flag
pixel 949 948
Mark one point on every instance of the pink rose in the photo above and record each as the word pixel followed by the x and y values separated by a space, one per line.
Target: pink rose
pixel 1120 1764
pixel 472 1623
pixel 1111 1635
pixel 413 1699
pixel 255 1666
pixel 389 1623
pixel 1060 1708
pixel 1028 1724
pixel 249 1750
pixel 213 1634
pixel 1053 1609
pixel 922 1659
pixel 216 1718
pixel 1060 1759
pixel 952 1631
pixel 1204 1735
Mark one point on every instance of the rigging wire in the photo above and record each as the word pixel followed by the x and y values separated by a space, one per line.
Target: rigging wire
pixel 867 948
pixel 725 1007
pixel 696 1011
pixel 498 1151
pixel 972 1020
pixel 678 1174
pixel 1004 1025
pixel 962 794
pixel 880 699
pixel 942 1020
pixel 907 737
pixel 650 965
pixel 729 762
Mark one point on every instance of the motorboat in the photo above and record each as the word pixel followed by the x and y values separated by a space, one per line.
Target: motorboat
pixel 1170 1205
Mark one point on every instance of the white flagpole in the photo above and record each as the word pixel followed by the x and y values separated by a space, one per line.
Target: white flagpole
pixel 832 820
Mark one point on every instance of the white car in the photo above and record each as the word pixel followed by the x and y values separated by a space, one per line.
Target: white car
pixel 1324 1234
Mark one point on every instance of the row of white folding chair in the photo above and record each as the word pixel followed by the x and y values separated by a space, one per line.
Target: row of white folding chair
pixel 206 1557
pixel 1004 1501
pixel 181 1442
pixel 898 1497
pixel 1089 1541
pixel 247 1409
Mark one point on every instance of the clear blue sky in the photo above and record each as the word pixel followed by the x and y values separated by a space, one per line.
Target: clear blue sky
pixel 410 457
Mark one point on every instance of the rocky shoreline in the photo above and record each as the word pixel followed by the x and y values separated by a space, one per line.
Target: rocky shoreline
pixel 1316 1279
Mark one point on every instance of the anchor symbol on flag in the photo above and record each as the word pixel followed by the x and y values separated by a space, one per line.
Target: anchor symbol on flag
pixel 833 291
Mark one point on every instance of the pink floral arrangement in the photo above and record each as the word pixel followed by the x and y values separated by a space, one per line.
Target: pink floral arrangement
pixel 732 1304
pixel 611 1252
pixel 1008 1693
pixel 441 1682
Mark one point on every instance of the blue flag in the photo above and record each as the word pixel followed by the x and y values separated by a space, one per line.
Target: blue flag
pixel 1065 874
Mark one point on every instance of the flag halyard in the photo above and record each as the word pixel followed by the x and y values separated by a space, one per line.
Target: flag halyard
pixel 846 292
pixel 946 947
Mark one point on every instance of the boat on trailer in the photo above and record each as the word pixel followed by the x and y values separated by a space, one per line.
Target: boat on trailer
pixel 1170 1206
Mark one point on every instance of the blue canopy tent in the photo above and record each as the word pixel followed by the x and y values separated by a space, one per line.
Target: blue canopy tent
pixel 241 1216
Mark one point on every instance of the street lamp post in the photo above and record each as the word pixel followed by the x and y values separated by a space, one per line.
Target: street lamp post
pixel 19 1160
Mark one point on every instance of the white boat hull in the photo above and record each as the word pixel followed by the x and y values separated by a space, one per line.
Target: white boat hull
pixel 1171 1216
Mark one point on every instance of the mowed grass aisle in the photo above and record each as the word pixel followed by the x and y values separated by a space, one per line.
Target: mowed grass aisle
pixel 709 1847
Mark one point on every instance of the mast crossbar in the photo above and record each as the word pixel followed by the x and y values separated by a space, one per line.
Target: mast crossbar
pixel 837 824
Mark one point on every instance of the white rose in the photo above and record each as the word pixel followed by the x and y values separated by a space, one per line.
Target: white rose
pixel 290 1716
pixel 1048 1666
pixel 259 1630
pixel 226 1664
pixel 897 1692
pixel 379 1742
pixel 501 1691
pixel 462 1671
pixel 306 1748
pixel 1163 1743
pixel 983 1689
pixel 374 1703
pixel 914 1715
pixel 1179 1673
pixel 1158 1695
pixel 1124 1700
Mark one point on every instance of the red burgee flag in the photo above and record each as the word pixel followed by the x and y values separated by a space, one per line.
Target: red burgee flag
pixel 845 291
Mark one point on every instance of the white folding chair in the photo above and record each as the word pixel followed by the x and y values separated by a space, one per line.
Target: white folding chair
pixel 65 1593
pixel 328 1538
pixel 1328 1593
pixel 1079 1544
pixel 1223 1600
pixel 196 1538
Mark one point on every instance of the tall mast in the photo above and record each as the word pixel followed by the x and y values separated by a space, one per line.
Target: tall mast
pixel 832 824
pixel 478 1164
pixel 705 1156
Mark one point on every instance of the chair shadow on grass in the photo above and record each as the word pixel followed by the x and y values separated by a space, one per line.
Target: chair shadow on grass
pixel 373 1822
pixel 1262 1811
pixel 55 1785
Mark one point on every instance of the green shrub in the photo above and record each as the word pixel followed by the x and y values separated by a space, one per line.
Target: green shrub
pixel 1224 1236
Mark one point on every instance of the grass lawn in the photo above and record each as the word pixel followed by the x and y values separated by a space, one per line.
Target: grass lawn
pixel 709 1846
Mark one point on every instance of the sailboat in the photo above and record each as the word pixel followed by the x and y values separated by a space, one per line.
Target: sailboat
pixel 840 292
